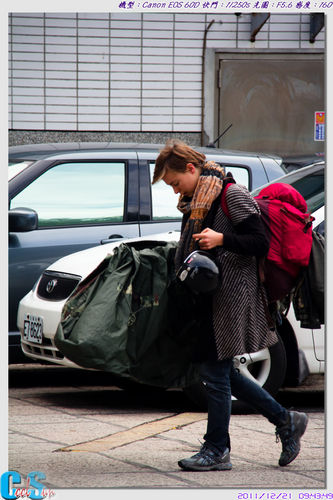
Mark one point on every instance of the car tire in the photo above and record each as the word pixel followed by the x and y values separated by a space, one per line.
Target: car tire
pixel 268 367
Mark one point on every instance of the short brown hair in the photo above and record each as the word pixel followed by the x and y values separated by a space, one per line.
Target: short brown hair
pixel 175 156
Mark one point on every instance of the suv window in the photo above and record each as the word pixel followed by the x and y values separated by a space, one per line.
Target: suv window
pixel 240 174
pixel 164 201
pixel 76 194
pixel 16 168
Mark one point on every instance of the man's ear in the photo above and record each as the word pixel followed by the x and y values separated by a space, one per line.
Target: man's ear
pixel 190 168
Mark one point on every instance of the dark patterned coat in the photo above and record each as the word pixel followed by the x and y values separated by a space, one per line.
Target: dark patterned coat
pixel 240 323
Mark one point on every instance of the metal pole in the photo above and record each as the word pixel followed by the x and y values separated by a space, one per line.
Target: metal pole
pixel 202 81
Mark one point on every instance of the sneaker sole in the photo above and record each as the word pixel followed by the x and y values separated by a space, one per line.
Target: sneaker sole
pixel 300 434
pixel 225 466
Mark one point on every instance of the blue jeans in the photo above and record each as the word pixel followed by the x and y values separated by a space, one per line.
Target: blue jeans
pixel 221 380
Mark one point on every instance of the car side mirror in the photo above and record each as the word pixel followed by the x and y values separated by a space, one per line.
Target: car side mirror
pixel 21 220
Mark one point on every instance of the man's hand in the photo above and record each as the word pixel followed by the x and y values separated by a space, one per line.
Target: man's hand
pixel 208 239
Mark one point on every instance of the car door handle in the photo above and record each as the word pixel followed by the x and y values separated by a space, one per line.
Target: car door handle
pixel 111 238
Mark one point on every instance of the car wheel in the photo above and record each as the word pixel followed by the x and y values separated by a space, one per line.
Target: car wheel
pixel 266 367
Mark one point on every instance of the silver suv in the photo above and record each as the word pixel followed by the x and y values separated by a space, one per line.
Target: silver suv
pixel 66 197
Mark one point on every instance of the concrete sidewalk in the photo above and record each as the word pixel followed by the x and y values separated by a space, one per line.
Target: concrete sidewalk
pixel 80 438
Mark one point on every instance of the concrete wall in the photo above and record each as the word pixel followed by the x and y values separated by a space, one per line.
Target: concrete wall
pixel 125 76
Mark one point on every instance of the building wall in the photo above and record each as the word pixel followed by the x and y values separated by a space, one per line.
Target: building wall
pixel 125 76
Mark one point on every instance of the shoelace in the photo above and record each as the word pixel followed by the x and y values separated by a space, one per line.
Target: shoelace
pixel 286 440
pixel 204 451
pixel 283 433
pixel 207 455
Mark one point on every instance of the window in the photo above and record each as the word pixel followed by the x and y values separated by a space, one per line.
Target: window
pixel 312 187
pixel 16 168
pixel 164 200
pixel 73 194
pixel 240 174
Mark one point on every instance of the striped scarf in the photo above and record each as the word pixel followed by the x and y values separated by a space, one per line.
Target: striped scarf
pixel 208 188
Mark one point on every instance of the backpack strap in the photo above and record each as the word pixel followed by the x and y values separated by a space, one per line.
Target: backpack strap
pixel 227 182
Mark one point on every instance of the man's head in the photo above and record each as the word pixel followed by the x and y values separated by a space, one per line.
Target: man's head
pixel 179 166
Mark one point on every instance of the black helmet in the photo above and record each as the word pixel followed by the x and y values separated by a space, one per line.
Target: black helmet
pixel 199 272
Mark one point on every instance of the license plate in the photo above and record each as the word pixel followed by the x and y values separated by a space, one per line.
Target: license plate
pixel 33 328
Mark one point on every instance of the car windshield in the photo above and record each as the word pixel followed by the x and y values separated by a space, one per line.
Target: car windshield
pixel 15 168
pixel 310 183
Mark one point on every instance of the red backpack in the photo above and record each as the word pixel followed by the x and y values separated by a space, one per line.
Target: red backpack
pixel 289 228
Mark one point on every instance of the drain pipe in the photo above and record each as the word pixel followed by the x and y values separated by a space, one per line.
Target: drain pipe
pixel 202 80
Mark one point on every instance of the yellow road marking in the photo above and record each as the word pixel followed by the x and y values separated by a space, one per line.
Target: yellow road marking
pixel 137 433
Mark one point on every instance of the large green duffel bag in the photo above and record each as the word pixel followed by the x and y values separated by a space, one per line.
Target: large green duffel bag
pixel 131 318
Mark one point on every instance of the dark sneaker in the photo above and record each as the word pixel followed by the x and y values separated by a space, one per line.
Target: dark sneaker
pixel 290 435
pixel 207 459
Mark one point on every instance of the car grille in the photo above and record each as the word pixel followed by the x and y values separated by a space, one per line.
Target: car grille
pixel 45 350
pixel 57 286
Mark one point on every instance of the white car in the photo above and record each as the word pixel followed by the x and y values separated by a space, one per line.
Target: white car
pixel 299 351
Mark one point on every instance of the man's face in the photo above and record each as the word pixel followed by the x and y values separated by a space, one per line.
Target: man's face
pixel 183 183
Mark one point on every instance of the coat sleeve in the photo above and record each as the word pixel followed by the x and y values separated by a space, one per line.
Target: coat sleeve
pixel 249 238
